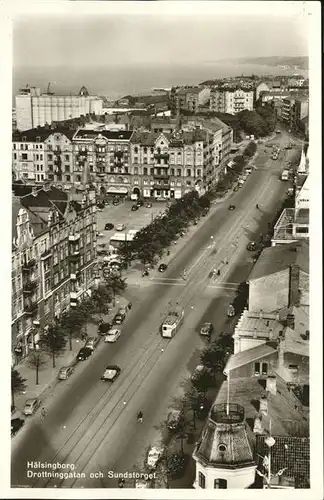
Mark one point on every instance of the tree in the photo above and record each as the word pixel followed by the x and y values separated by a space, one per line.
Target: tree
pixel 203 381
pixel 116 284
pixel 36 359
pixel 214 359
pixel 71 323
pixel 53 341
pixel 226 343
pixel 100 299
pixel 17 384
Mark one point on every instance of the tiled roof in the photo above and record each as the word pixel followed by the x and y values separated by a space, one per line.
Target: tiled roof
pixel 250 324
pixel 46 199
pixel 284 409
pixel 292 452
pixel 108 134
pixel 280 257
pixel 21 189
pixel 43 133
pixel 247 356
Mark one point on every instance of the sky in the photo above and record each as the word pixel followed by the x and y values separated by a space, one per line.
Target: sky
pixel 100 40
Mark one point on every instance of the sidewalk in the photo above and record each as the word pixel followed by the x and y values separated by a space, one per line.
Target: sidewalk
pixel 47 376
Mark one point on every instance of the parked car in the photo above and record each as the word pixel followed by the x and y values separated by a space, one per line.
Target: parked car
pixel 16 424
pixel 251 246
pixel 206 330
pixel 109 226
pixel 92 342
pixel 140 203
pixel 112 335
pixel 149 205
pixel 115 202
pixel 248 171
pixel 134 208
pixel 124 309
pixel 111 373
pixel 103 328
pixel 154 455
pixel 173 419
pixel 31 406
pixel 162 267
pixel 230 310
pixel 231 207
pixel 84 353
pixel 120 227
pixel 65 372
pixel 119 318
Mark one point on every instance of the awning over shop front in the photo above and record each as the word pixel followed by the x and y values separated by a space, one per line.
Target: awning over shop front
pixel 117 190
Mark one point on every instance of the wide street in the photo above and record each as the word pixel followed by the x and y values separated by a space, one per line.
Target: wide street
pixel 92 424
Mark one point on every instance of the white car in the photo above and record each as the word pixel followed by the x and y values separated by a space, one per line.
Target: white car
pixel 111 373
pixel 112 335
pixel 120 227
pixel 154 455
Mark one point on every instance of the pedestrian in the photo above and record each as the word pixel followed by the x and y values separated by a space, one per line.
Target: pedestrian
pixel 218 272
pixel 43 412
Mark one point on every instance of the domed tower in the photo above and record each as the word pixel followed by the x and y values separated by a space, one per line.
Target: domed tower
pixel 223 454
pixel 84 91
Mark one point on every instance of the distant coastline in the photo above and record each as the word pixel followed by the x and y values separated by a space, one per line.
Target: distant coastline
pixel 284 62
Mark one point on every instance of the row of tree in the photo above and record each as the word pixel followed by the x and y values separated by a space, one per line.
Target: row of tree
pixel 72 324
pixel 151 241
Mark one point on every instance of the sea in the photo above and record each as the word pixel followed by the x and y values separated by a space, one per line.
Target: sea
pixel 118 81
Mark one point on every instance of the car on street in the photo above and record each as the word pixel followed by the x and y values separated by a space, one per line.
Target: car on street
pixel 236 188
pixel 173 420
pixel 112 335
pixel 154 455
pixel 119 318
pixel 92 342
pixel 16 424
pixel 134 208
pixel 120 227
pixel 140 203
pixel 248 171
pixel 84 353
pixel 251 246
pixel 206 330
pixel 109 226
pixel 111 373
pixel 31 406
pixel 65 372
pixel 149 205
pixel 124 309
pixel 231 207
pixel 99 209
pixel 116 202
pixel 162 267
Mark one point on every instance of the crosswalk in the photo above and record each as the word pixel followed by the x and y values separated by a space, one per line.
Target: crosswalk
pixel 210 283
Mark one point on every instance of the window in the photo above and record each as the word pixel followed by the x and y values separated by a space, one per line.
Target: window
pixel 135 159
pixel 68 178
pixel 201 480
pixel 67 168
pixel 179 172
pixel 220 484
pixel 50 157
pixel 24 156
pixel 145 170
pixel 199 172
pixel 189 172
pixel 260 368
pixel 293 368
pixel 15 156
pixel 67 157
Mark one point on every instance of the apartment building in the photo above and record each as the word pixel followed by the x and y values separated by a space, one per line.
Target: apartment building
pixel 35 109
pixel 191 98
pixel 53 252
pixel 231 101
pixel 294 110
pixel 169 165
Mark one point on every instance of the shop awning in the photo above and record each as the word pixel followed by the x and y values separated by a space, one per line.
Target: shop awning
pixel 117 190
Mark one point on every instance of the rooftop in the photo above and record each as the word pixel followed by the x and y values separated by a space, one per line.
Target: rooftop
pixel 251 324
pixel 108 134
pixel 248 356
pixel 280 257
pixel 40 134
pixel 284 228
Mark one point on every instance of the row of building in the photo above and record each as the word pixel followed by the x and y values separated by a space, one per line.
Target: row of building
pixel 163 160
pixel 53 259
pixel 257 432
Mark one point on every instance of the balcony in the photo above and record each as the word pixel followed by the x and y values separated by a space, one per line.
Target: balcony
pixel 227 414
pixel 74 256
pixel 58 161
pixel 74 237
pixel 119 154
pixel 161 176
pixel 161 156
pixel 57 151
pixel 28 266
pixel 30 308
pixel 29 287
pixel 46 255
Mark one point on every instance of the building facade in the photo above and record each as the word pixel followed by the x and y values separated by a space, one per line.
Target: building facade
pixel 190 98
pixel 231 101
pixel 294 110
pixel 53 259
pixel 34 109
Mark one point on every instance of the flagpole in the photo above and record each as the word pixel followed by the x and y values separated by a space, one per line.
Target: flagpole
pixel 227 403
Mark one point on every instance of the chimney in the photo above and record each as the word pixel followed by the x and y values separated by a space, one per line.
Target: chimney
pixel 271 384
pixel 257 428
pixel 264 404
pixel 291 321
pixel 294 293
pixel 261 314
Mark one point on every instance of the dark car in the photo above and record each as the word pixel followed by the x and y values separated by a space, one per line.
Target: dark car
pixel 109 226
pixel 162 267
pixel 206 330
pixel 140 203
pixel 231 207
pixel 84 353
pixel 16 424
pixel 116 202
pixel 134 208
pixel 149 205
pixel 100 205
pixel 103 328
pixel 111 373
pixel 252 246
pixel 119 318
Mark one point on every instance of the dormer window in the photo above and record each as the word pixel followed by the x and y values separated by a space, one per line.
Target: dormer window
pixel 24 138
pixel 38 139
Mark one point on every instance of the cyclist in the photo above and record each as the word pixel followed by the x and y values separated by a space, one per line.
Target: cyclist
pixel 140 417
